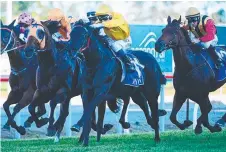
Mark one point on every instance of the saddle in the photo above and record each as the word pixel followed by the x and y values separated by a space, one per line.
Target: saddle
pixel 205 66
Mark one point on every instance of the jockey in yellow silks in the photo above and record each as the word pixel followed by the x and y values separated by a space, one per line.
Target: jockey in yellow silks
pixel 114 29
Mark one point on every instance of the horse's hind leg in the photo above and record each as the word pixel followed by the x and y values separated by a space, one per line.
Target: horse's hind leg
pixel 125 125
pixel 140 100
pixel 59 124
pixel 59 97
pixel 205 107
pixel 13 97
pixel 177 104
pixel 100 121
pixel 50 130
pixel 153 104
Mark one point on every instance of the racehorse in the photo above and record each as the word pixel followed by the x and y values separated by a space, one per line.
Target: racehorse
pixel 195 75
pixel 21 79
pixel 103 78
pixel 57 76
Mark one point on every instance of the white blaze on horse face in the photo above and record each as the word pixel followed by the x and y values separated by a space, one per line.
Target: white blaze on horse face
pixel 32 31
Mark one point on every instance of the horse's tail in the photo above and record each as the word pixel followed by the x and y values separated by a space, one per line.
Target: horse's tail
pixel 163 79
pixel 115 105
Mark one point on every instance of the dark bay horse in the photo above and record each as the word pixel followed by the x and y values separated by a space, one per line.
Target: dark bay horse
pixel 103 79
pixel 53 76
pixel 194 75
pixel 57 76
pixel 22 76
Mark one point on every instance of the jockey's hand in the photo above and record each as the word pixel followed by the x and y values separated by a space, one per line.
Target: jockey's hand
pixel 195 40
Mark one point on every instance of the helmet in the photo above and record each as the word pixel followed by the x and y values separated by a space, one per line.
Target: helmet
pixel 91 14
pixel 56 14
pixel 25 18
pixel 192 12
pixel 104 10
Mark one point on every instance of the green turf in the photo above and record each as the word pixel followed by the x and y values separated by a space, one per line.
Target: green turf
pixel 170 141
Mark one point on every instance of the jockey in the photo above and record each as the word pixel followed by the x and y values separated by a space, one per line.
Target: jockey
pixel 57 15
pixel 202 31
pixel 92 17
pixel 114 30
pixel 24 21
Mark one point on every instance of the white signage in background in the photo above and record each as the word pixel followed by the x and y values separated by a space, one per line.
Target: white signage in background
pixel 143 46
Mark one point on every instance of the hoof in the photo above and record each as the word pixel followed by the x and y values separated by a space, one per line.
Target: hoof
pixel 27 124
pixel 125 125
pixel 80 141
pixel 162 113
pixel 85 145
pixel 220 122
pixel 21 130
pixel 75 128
pixel 182 127
pixel 106 128
pixel 94 126
pixel 187 123
pixel 157 140
pixel 51 132
pixel 198 130
pixel 42 122
pixel 6 127
pixel 217 128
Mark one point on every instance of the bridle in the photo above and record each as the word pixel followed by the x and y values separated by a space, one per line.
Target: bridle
pixel 87 46
pixel 14 47
pixel 171 43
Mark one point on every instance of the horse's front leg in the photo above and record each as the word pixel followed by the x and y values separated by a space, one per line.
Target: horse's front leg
pixel 88 115
pixel 177 104
pixel 85 96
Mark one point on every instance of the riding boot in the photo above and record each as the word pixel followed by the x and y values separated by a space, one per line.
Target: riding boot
pixel 126 60
pixel 218 61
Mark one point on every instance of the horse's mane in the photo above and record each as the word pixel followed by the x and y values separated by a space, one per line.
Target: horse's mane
pixel 187 38
pixel 175 23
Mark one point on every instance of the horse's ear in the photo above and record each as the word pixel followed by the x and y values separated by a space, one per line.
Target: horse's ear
pixel 169 20
pixel 12 24
pixel 179 19
pixel 52 26
pixel 45 23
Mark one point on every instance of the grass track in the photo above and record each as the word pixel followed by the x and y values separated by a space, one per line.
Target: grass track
pixel 170 141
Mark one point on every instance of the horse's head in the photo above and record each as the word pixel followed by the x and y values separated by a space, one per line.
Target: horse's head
pixel 80 37
pixel 8 37
pixel 37 37
pixel 52 26
pixel 170 37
